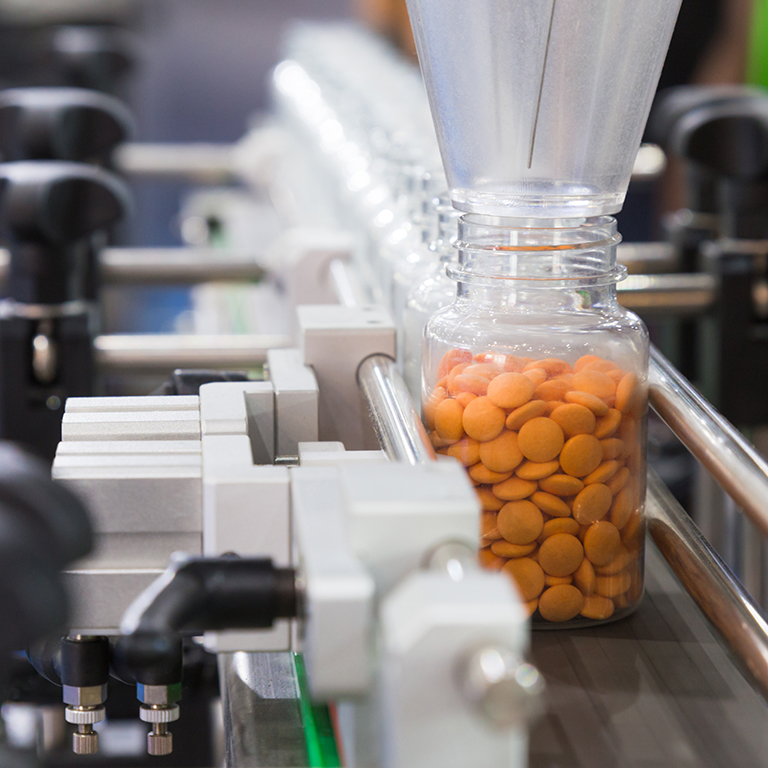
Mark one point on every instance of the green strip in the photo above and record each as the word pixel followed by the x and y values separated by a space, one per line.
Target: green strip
pixel 757 67
pixel 318 728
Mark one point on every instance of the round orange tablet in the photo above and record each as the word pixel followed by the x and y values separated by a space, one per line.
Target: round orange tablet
pixel 633 532
pixel 506 549
pixel 530 410
pixel 561 603
pixel 597 608
pixel 586 360
pixel 553 389
pixel 520 522
pixel 561 485
pixel 551 504
pixel 612 586
pixel 559 525
pixel 595 383
pixel 451 358
pixel 561 554
pixel 502 453
pixel 482 420
pixel 489 560
pixel 488 500
pixel 601 544
pixel 475 385
pixel 488 530
pixel 514 489
pixel 541 439
pixel 592 504
pixel 603 473
pixel 510 390
pixel 430 406
pixel 608 424
pixel 612 448
pixel 619 563
pixel 594 403
pixel 553 581
pixel 481 474
pixel 619 480
pixel 621 509
pixel 467 451
pixel 533 470
pixel 536 375
pixel 581 455
pixel 552 366
pixel 584 577
pixel 628 393
pixel 465 398
pixel 527 575
pixel 448 420
pixel 574 419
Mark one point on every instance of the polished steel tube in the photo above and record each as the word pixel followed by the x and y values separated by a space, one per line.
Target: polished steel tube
pixel 397 425
pixel 738 468
pixel 158 353
pixel 198 162
pixel 717 592
pixel 177 265
pixel 346 284
pixel 668 294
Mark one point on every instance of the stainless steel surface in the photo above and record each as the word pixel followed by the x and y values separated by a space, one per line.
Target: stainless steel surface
pixel 157 353
pixel 709 581
pixel 202 163
pixel 84 695
pixel 717 444
pixel 159 740
pixel 650 258
pixel 672 294
pixel 85 741
pixel 262 717
pixel 177 265
pixel 394 418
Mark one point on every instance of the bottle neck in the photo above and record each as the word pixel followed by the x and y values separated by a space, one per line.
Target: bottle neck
pixel 563 264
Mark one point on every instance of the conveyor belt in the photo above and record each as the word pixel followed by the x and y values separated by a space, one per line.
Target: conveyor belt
pixel 657 689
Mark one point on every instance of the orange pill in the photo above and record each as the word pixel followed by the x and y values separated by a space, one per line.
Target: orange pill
pixel 628 432
pixel 601 543
pixel 594 403
pixel 586 360
pixel 506 549
pixel 608 424
pixel 581 455
pixel 514 489
pixel 513 364
pixel 622 508
pixel 536 375
pixel 530 607
pixel 574 419
pixel 540 439
pixel 554 389
pixel 430 406
pixel 489 531
pixel 486 369
pixel 612 586
pixel 620 601
pixel 501 454
pixel 633 533
pixel 448 420
pixel 561 603
pixel 592 504
pixel 613 448
pixel 558 525
pixel 628 394
pixel 619 480
pixel 537 470
pixel 554 581
pixel 466 451
pixel 481 474
pixel 528 576
pixel 561 485
pixel 552 405
pixel 552 366
pixel 619 563
pixel 490 561
pixel 510 390
pixel 451 358
pixel 595 383
pixel 465 398
pixel 482 420
pixel 530 410
pixel 487 500
pixel 561 554
pixel 584 577
pixel 475 385
pixel 603 366
pixel 457 370
pixel 603 473
pixel 550 504
pixel 440 442
pixel 597 608
pixel 520 522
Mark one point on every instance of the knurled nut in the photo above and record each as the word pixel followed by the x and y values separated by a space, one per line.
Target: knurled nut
pixel 159 714
pixel 84 716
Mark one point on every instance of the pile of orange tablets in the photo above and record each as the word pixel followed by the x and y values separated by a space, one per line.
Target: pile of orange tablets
pixel 554 451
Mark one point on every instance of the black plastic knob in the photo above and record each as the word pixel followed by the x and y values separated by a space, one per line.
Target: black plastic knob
pixel 49 211
pixel 61 124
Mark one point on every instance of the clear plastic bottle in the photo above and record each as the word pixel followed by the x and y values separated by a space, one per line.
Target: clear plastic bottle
pixel 535 378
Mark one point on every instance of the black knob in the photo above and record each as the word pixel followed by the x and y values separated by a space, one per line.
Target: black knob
pixel 61 124
pixel 49 212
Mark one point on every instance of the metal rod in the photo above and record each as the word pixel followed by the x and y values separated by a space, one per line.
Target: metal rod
pixel 738 468
pixel 678 294
pixel 650 258
pixel 157 353
pixel 346 285
pixel 708 580
pixel 541 84
pixel 177 265
pixel 197 162
pixel 397 425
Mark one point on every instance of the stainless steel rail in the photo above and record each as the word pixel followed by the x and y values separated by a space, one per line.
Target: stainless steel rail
pixel 196 162
pixel 708 580
pixel 397 425
pixel 670 294
pixel 649 258
pixel 158 353
pixel 713 440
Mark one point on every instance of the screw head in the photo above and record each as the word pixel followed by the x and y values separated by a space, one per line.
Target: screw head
pixel 159 743
pixel 85 743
